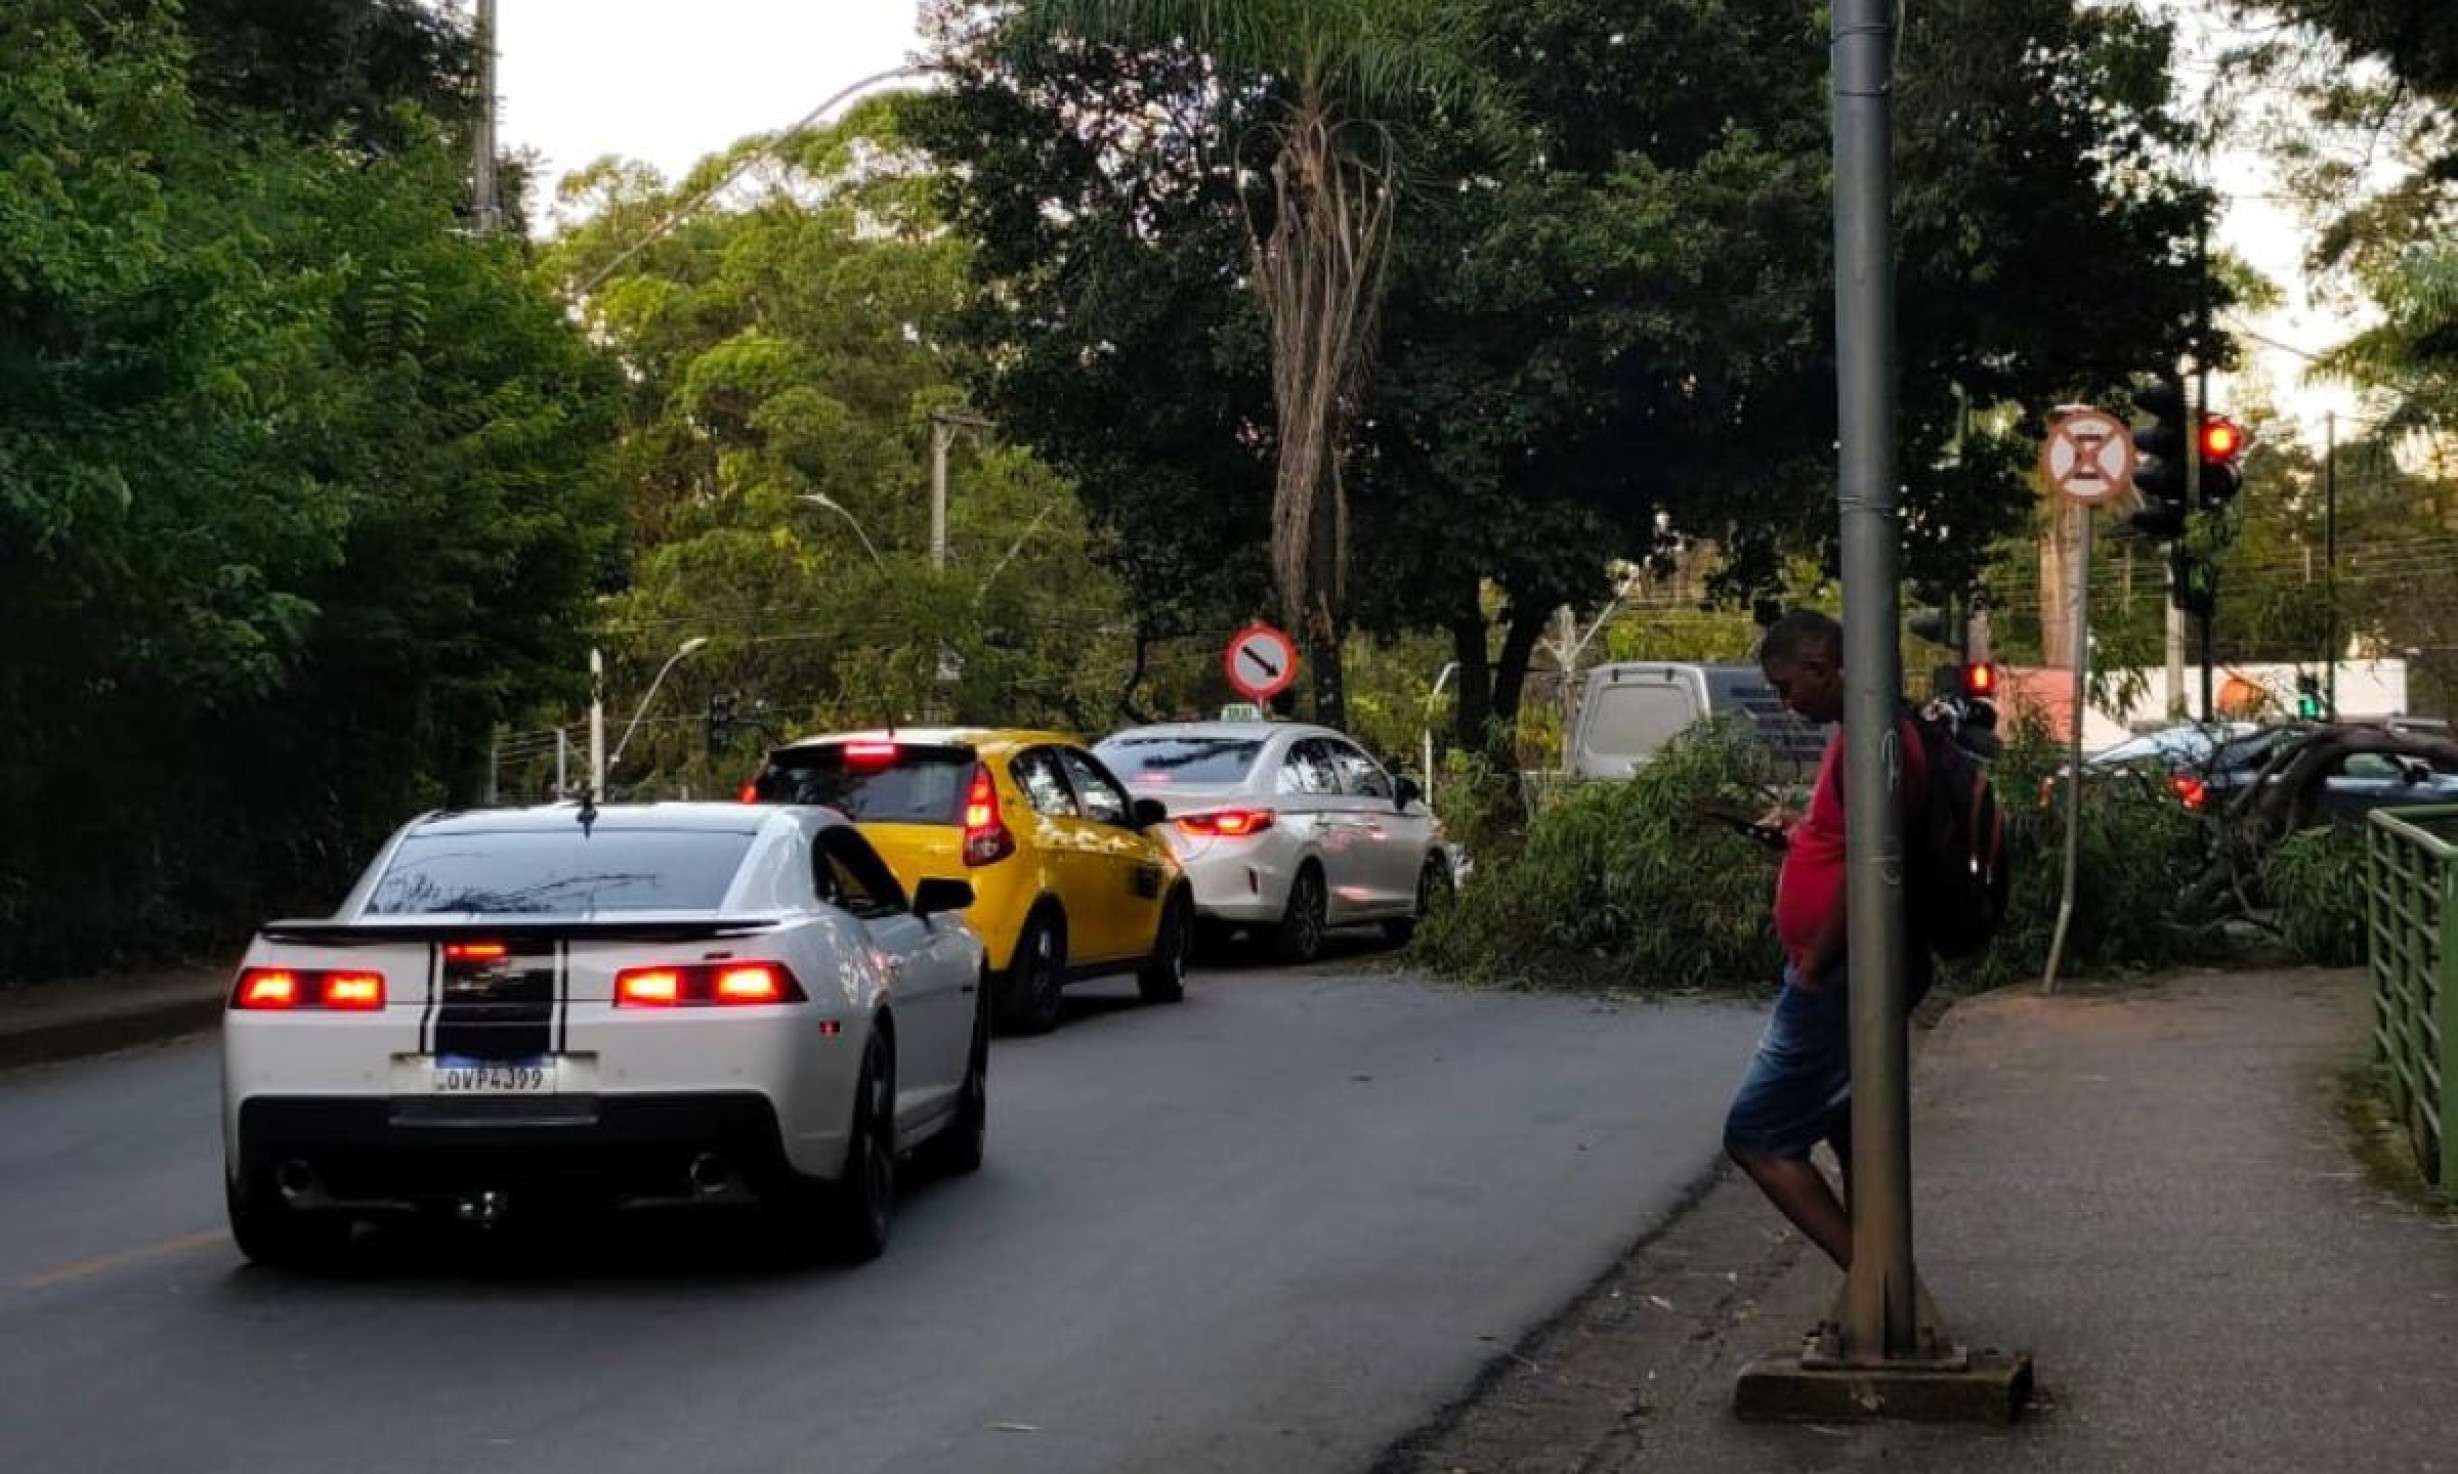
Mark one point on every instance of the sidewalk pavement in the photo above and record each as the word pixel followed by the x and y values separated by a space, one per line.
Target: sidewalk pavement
pixel 77 1016
pixel 2150 1188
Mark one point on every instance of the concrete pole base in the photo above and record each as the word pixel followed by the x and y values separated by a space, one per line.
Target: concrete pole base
pixel 1983 1387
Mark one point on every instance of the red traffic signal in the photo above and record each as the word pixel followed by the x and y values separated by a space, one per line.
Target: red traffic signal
pixel 2222 439
pixel 1980 679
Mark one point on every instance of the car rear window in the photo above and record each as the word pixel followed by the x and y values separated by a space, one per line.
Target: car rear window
pixel 872 782
pixel 567 871
pixel 1180 759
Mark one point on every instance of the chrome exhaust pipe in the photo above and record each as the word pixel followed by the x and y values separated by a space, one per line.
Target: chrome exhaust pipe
pixel 710 1175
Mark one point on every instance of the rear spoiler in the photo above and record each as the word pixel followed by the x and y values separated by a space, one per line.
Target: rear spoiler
pixel 527 928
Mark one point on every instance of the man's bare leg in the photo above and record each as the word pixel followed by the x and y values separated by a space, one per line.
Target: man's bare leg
pixel 1801 1193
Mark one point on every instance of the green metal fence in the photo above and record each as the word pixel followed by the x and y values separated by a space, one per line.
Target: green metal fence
pixel 2411 921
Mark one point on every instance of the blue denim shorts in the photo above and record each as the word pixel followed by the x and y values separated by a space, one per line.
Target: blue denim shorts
pixel 1797 1091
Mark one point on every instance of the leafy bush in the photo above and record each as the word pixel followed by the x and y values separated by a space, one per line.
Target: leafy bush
pixel 2315 882
pixel 1625 883
pixel 2137 848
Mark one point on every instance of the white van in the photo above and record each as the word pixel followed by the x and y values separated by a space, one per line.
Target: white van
pixel 1628 712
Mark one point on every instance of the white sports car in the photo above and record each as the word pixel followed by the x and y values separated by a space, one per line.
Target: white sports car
pixel 662 1002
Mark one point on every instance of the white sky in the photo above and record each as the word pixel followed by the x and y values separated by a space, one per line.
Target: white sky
pixel 668 82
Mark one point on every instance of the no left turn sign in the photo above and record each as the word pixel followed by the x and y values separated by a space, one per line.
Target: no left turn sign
pixel 2088 456
pixel 1260 662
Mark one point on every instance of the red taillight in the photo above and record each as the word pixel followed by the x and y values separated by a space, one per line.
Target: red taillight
pixel 649 987
pixel 986 837
pixel 475 951
pixel 1227 823
pixel 354 990
pixel 706 983
pixel 749 793
pixel 870 754
pixel 267 987
pixel 2190 791
pixel 754 983
pixel 275 988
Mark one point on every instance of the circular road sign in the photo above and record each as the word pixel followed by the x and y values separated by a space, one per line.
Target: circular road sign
pixel 1260 662
pixel 2088 456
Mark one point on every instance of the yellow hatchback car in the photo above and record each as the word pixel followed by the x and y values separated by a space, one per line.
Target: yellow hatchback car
pixel 1066 882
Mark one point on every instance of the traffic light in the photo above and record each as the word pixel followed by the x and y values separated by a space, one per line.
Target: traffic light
pixel 2222 444
pixel 2308 698
pixel 2193 582
pixel 1980 680
pixel 2159 460
pixel 720 721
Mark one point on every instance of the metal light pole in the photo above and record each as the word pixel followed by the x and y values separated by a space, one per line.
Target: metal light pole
pixel 485 212
pixel 2193 449
pixel 822 499
pixel 944 425
pixel 2330 555
pixel 686 649
pixel 1880 1297
pixel 597 727
pixel 1883 1353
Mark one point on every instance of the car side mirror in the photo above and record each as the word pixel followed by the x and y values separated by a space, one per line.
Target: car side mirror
pixel 1150 811
pixel 1409 791
pixel 938 895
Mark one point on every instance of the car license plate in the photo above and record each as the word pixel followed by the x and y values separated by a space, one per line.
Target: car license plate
pixel 461 1075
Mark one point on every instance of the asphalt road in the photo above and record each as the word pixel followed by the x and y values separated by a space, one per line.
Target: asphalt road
pixel 1270 1229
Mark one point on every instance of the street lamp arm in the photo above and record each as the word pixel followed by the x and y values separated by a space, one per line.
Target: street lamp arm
pixel 642 709
pixel 675 217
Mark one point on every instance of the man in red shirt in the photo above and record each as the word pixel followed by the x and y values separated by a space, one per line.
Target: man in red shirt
pixel 1798 1089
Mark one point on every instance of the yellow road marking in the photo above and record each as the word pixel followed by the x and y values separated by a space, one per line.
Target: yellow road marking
pixel 79 1269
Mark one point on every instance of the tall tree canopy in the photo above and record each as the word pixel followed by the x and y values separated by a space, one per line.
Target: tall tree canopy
pixel 299 486
pixel 1614 332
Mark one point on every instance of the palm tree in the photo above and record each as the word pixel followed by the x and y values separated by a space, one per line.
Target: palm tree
pixel 1343 78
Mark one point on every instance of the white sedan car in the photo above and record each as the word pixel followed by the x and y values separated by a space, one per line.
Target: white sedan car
pixel 662 1002
pixel 1286 829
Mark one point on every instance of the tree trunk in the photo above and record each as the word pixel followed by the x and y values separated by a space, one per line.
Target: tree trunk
pixel 1511 683
pixel 1474 683
pixel 1324 620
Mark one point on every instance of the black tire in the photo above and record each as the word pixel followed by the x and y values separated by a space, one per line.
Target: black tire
pixel 1028 996
pixel 864 1201
pixel 959 1149
pixel 1163 976
pixel 1433 884
pixel 279 1237
pixel 1298 939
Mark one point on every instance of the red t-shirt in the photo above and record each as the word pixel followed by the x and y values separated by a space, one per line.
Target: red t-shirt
pixel 1811 884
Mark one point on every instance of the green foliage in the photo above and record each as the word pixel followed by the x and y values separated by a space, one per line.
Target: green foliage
pixel 299 487
pixel 2315 882
pixel 792 345
pixel 2136 848
pixel 1624 884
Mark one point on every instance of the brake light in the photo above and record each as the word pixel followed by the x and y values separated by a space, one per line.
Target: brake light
pixel 354 990
pixel 756 983
pixel 749 793
pixel 986 836
pixel 2190 791
pixel 649 987
pixel 262 987
pixel 274 989
pixel 1227 823
pixel 870 754
pixel 703 984
pixel 475 951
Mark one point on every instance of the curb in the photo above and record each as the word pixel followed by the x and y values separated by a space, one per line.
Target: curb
pixel 63 1021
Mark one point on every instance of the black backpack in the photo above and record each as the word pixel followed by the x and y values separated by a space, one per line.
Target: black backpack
pixel 1954 848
